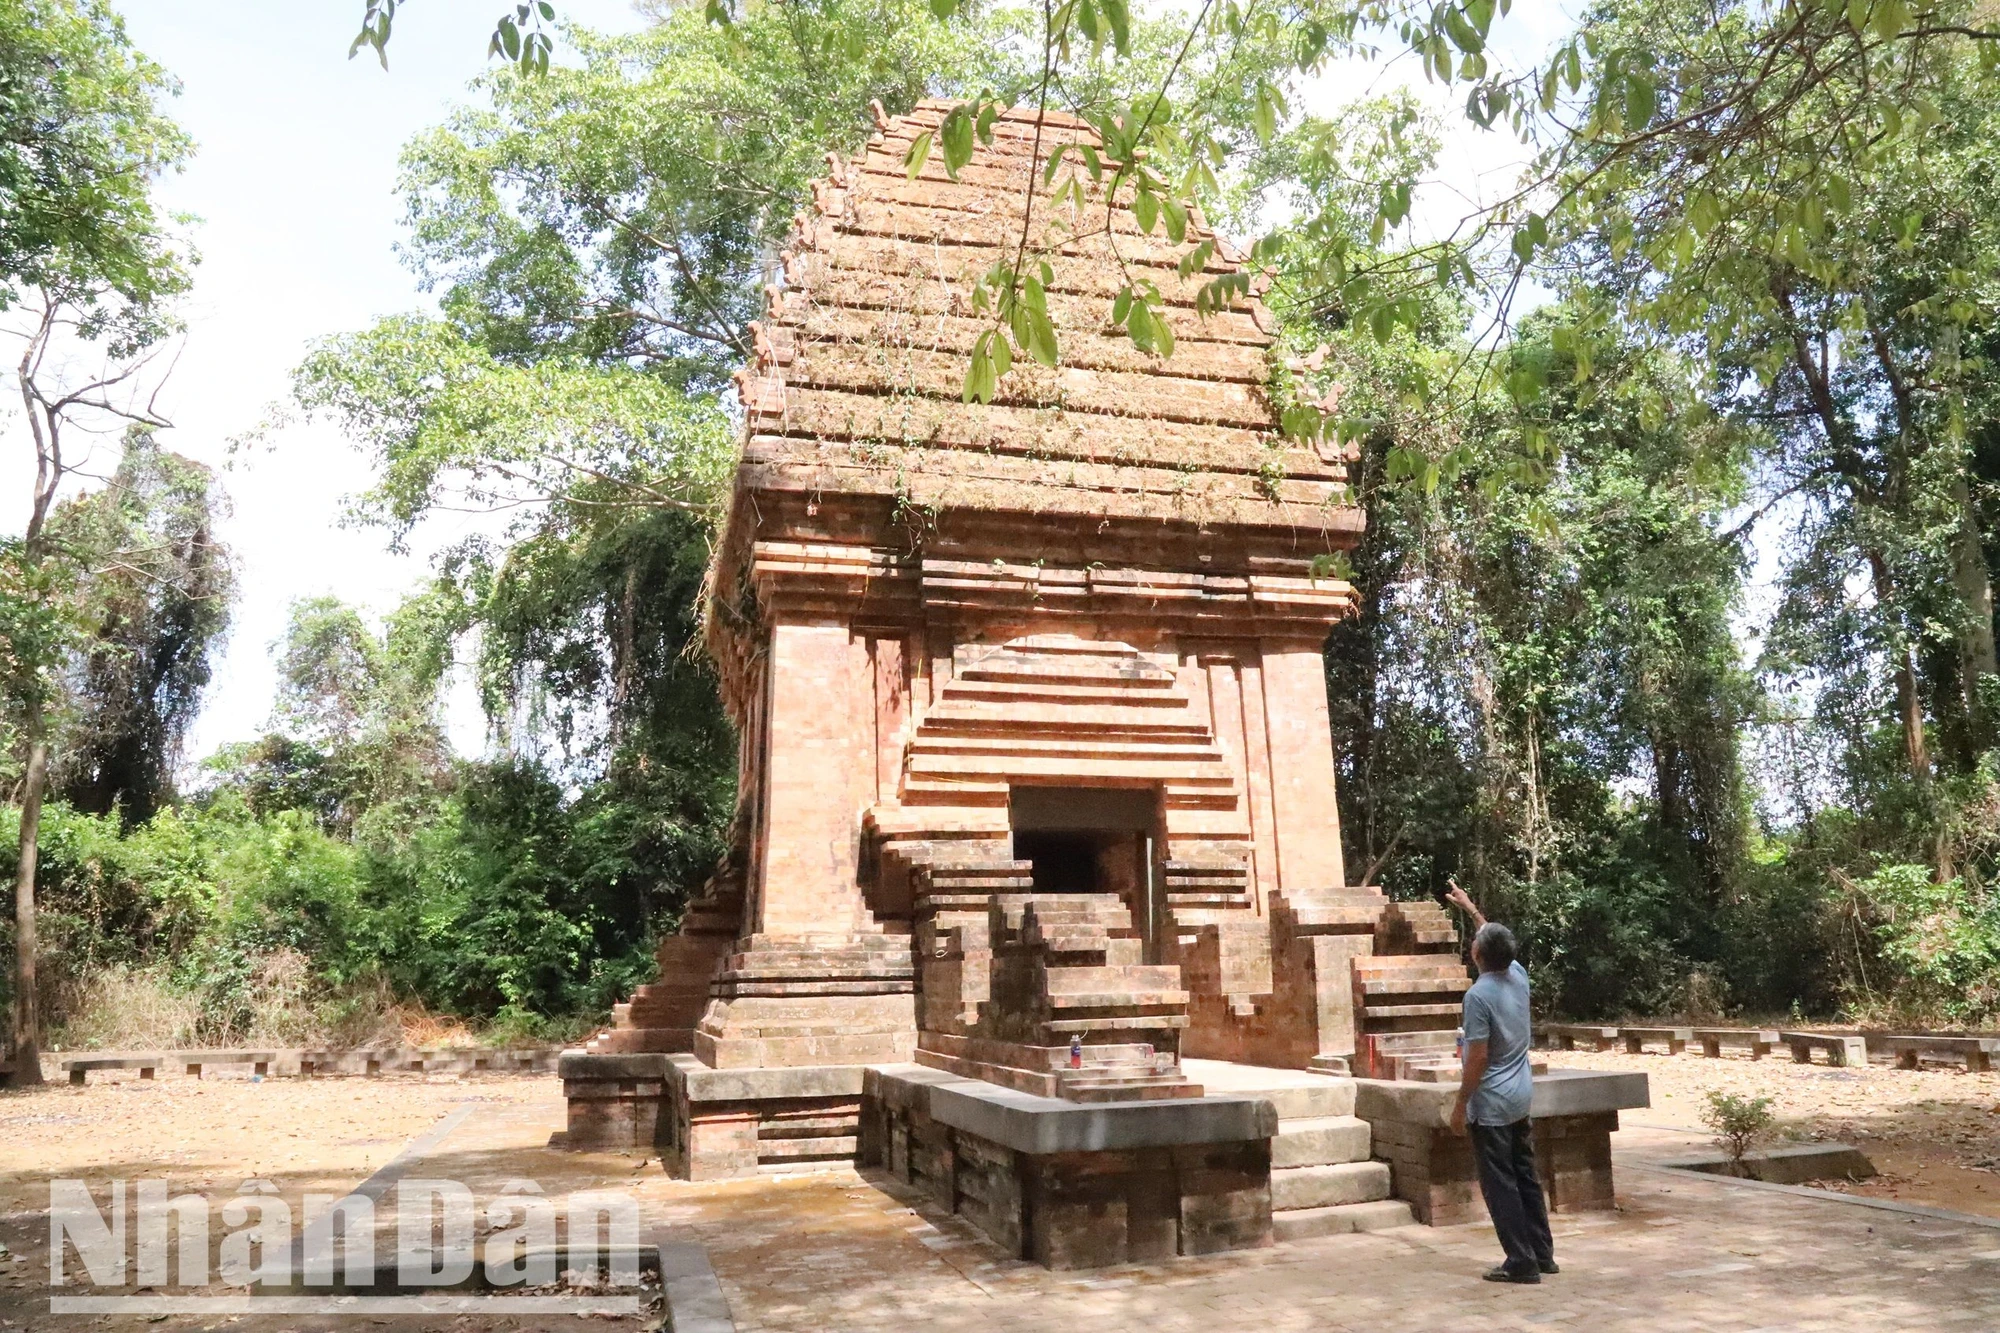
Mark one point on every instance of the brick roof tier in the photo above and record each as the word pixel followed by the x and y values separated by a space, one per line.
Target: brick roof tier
pixel 856 435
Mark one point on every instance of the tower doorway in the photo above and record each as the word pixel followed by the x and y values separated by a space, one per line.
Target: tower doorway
pixel 1092 840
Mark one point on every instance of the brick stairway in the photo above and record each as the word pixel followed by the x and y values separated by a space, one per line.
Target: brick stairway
pixel 662 1014
pixel 1323 1181
pixel 1407 996
pixel 1093 986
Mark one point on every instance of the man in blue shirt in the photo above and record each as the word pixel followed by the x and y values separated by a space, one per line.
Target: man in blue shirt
pixel 1493 1096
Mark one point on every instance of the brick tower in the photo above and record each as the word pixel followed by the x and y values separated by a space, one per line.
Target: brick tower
pixel 1035 747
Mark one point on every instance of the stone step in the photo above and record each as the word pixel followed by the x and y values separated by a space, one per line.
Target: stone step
pixel 1108 722
pixel 1149 1090
pixel 1395 985
pixel 1114 1002
pixel 836 1147
pixel 1385 1011
pixel 962 695
pixel 1321 1141
pixel 1228 877
pixel 1169 748
pixel 1333 1098
pixel 1063 1027
pixel 1341 1219
pixel 1409 964
pixel 1326 1186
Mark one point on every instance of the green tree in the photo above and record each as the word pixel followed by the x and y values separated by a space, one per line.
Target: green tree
pixel 81 142
pixel 156 583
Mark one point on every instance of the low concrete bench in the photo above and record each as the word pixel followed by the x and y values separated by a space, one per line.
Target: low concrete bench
pixel 1759 1040
pixel 1676 1039
pixel 79 1069
pixel 427 1060
pixel 259 1061
pixel 1977 1052
pixel 1566 1035
pixel 1849 1051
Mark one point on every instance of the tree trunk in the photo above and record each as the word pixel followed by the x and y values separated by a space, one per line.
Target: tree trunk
pixel 1909 702
pixel 27 1018
pixel 1974 585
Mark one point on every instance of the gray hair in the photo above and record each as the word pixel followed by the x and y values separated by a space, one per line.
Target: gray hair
pixel 1493 948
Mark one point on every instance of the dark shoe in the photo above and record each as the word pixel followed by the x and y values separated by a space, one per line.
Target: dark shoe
pixel 1505 1274
pixel 1548 1266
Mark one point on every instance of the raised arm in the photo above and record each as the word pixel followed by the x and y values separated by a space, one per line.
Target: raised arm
pixel 1460 898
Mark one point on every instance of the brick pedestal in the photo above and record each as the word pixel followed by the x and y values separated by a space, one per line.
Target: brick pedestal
pixel 1183 1176
pixel 1434 1170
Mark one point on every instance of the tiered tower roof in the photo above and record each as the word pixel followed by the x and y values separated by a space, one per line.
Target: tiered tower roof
pixel 856 384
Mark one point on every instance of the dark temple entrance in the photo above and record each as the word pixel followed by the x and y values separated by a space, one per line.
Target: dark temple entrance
pixel 1091 840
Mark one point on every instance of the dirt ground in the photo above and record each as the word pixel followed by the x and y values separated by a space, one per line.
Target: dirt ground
pixel 302 1135
pixel 1933 1133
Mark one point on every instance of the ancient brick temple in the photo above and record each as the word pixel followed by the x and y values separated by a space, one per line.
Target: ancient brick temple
pixel 1037 782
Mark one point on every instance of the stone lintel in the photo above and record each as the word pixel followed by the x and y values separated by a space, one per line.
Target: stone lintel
pixel 692 1081
pixel 1044 1125
pixel 580 1065
pixel 1559 1092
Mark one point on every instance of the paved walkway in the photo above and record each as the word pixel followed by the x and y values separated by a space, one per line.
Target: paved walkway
pixel 818 1255
pixel 842 1253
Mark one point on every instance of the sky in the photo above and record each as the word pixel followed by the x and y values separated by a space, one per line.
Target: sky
pixel 293 186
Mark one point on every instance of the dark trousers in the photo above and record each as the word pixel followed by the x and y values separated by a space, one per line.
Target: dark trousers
pixel 1514 1193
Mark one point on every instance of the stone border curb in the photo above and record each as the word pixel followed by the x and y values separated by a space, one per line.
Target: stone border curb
pixel 1827 1196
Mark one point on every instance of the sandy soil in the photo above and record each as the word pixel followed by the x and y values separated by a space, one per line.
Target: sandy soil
pixel 303 1135
pixel 1933 1133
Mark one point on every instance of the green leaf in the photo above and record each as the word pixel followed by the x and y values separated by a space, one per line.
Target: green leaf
pixel 1055 161
pixel 1119 17
pixel 920 153
pixel 1890 19
pixel 1176 217
pixel 956 137
pixel 1139 326
pixel 1195 260
pixel 1641 100
pixel 944 9
pixel 1041 337
pixel 1145 208
pixel 1264 112
pixel 1463 35
pixel 980 379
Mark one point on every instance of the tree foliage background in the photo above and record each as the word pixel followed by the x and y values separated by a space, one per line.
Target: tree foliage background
pixel 1676 640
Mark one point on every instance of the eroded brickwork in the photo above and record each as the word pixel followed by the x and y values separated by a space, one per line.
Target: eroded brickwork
pixel 1112 578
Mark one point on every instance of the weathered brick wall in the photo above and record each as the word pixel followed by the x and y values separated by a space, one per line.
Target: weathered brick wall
pixel 1435 1172
pixel 1083 1209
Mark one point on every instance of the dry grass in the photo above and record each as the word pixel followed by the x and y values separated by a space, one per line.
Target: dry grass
pixel 282 1005
pixel 120 1008
pixel 128 1008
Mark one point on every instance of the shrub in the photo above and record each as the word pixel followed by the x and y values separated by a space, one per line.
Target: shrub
pixel 1737 1122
